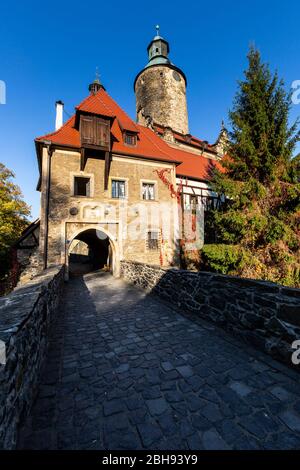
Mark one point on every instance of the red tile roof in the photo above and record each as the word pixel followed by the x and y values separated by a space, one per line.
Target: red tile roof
pixel 190 139
pixel 101 103
pixel 149 144
pixel 194 166
pixel 65 135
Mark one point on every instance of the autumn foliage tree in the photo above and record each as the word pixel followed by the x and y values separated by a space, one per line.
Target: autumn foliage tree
pixel 13 217
pixel 258 228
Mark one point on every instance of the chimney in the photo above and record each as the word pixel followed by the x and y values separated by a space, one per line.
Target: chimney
pixel 59 106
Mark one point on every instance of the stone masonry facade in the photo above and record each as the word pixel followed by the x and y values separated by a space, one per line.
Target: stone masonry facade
pixel 263 314
pixel 102 212
pixel 161 95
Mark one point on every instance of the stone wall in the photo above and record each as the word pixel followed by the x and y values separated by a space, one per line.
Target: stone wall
pixel 264 314
pixel 25 318
pixel 30 263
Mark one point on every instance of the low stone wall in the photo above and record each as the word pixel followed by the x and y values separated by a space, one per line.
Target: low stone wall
pixel 25 318
pixel 264 314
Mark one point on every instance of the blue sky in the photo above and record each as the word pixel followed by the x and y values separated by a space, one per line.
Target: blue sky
pixel 49 51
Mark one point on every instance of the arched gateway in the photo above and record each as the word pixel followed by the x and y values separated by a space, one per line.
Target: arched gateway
pixel 90 249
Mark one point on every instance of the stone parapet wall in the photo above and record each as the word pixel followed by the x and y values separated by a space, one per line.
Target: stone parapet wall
pixel 264 314
pixel 25 318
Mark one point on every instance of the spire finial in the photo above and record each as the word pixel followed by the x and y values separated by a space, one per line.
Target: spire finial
pixel 157 29
pixel 97 75
pixel 96 85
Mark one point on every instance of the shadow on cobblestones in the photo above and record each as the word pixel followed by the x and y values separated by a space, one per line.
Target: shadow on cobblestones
pixel 126 371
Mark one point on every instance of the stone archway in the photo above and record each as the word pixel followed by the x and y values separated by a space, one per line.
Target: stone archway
pixel 98 239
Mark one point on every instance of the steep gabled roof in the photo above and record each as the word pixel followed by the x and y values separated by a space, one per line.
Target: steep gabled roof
pixel 27 233
pixel 65 135
pixel 102 104
pixel 149 143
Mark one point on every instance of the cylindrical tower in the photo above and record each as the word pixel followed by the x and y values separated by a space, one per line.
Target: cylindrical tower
pixel 160 90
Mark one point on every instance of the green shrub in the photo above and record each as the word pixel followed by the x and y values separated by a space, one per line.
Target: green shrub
pixel 276 230
pixel 224 259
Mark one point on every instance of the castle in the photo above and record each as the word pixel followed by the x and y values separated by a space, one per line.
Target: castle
pixel 114 189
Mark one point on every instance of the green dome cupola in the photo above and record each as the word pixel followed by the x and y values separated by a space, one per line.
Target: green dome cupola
pixel 158 50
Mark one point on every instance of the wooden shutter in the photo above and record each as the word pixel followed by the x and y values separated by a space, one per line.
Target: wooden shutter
pixel 87 130
pixel 101 132
pixel 95 132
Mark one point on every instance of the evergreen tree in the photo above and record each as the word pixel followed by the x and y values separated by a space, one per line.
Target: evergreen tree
pixel 13 213
pixel 258 228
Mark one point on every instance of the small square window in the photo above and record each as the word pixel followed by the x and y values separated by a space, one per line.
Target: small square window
pixel 148 191
pixel 118 189
pixel 82 186
pixel 153 241
pixel 130 139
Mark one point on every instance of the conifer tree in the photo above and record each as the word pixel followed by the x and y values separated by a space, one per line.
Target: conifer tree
pixel 258 228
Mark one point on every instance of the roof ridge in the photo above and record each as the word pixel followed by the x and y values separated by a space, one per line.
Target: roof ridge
pixel 184 151
pixel 192 154
pixel 104 104
pixel 152 141
pixel 94 96
pixel 127 115
pixel 83 101
pixel 58 130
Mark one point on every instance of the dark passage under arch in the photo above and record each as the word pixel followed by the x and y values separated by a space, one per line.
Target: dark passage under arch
pixel 89 251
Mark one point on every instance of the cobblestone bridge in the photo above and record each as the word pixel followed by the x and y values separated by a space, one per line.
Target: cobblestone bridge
pixel 126 371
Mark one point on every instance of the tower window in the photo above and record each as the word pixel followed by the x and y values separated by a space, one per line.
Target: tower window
pixel 82 186
pixel 129 139
pixel 176 76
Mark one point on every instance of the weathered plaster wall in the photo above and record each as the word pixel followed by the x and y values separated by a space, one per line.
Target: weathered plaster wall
pixel 25 318
pixel 161 94
pixel 264 314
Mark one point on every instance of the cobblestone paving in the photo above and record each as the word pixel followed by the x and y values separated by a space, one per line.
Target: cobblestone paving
pixel 126 371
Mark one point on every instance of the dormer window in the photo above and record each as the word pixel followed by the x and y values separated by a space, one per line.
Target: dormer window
pixel 94 132
pixel 129 138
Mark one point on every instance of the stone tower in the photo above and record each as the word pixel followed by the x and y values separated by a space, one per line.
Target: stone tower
pixel 160 90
